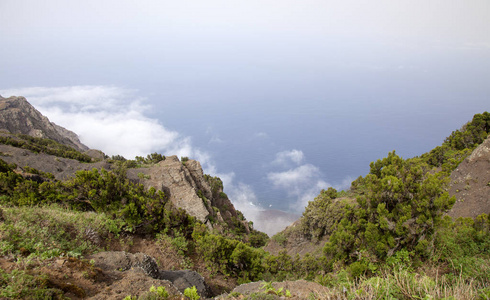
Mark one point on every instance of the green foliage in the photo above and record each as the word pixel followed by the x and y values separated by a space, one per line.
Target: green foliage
pixel 257 239
pixel 118 158
pixel 40 173
pixel 184 159
pixel 400 208
pixel 156 293
pixel 216 185
pixel 150 159
pixel 322 215
pixel 143 176
pixel 191 293
pixel 459 144
pixel 280 238
pixel 269 289
pixel 40 145
pixel 52 231
pixel 20 285
pixel 101 191
pixel 5 167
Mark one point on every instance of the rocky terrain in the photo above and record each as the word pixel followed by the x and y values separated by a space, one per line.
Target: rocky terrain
pixel 19 116
pixel 470 184
pixel 185 184
pixel 92 253
pixel 187 187
pixel 116 274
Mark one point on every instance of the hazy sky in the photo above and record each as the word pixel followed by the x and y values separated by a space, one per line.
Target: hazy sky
pixel 266 94
pixel 208 43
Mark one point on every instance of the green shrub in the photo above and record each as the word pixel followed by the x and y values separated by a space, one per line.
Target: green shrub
pixel 191 293
pixel 280 238
pixel 20 285
pixel 47 232
pixel 44 146
pixel 400 207
pixel 156 293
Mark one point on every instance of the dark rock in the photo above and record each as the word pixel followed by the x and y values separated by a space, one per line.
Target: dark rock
pixel 186 279
pixel 123 261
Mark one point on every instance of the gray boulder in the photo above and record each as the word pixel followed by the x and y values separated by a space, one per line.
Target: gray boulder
pixel 187 279
pixel 123 261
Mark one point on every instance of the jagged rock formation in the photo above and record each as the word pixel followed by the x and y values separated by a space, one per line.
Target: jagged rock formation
pixel 187 188
pixel 176 179
pixel 19 116
pixel 470 184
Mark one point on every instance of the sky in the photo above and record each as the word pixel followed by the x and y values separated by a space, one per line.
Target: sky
pixel 278 98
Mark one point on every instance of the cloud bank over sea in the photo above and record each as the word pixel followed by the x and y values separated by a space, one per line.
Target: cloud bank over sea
pixel 114 119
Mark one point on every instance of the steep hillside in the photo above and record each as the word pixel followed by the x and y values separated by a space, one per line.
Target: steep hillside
pixel 19 116
pixel 470 184
pixel 463 161
pixel 156 227
pixel 189 188
pixel 30 140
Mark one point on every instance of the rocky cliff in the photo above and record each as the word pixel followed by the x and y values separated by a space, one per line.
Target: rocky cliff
pixel 19 116
pixel 201 196
pixel 187 187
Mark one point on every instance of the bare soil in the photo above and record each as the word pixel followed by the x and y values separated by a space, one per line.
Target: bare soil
pixel 470 184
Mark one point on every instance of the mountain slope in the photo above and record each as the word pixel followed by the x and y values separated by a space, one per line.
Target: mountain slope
pixel 470 184
pixel 19 116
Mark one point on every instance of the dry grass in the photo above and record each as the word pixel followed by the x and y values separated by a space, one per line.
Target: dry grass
pixel 404 284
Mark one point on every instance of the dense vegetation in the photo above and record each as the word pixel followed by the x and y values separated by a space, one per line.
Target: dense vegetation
pixel 459 144
pixel 385 238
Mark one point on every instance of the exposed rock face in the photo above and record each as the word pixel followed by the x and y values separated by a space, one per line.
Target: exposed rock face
pixel 18 116
pixel 470 184
pixel 185 184
pixel 187 188
pixel 181 185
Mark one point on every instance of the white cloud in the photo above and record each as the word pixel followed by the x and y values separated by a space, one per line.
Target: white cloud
pixel 108 118
pixel 287 157
pixel 245 200
pixel 294 178
pixel 113 120
pixel 303 182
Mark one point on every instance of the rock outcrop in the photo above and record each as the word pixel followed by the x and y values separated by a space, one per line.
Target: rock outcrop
pixel 470 184
pixel 120 262
pixel 176 180
pixel 184 182
pixel 19 116
pixel 184 279
pixel 187 188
